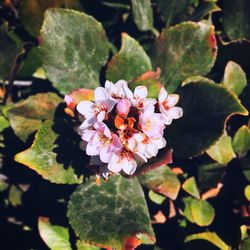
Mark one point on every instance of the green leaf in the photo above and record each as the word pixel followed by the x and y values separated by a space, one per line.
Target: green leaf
pixel 206 108
pixel 15 196
pixel 183 51
pixel 211 237
pixel 142 14
pixel 247 192
pixel 55 237
pixel 42 158
pixel 149 79
pixel 162 180
pixel 202 212
pixel 191 188
pixel 3 183
pixel 209 175
pixel 234 78
pixel 236 18
pixel 156 198
pixel 3 123
pixel 74 48
pixel 173 10
pixel 245 163
pixel 222 151
pixel 25 117
pixel 110 214
pixel 83 246
pixel 130 62
pixel 241 141
pixel 8 52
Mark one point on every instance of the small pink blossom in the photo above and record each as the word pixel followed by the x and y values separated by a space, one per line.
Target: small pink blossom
pixel 123 107
pixel 116 91
pixel 97 110
pixel 152 124
pixel 167 106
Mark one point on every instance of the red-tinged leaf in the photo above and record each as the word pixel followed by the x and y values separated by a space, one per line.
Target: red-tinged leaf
pixel 163 158
pixel 151 80
pixel 213 192
pixel 76 96
pixel 162 180
pixel 160 218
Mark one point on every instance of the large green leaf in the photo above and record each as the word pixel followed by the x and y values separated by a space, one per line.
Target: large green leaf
pixel 162 180
pixel 55 237
pixel 43 157
pixel 74 48
pixel 110 214
pixel 222 151
pixel 234 78
pixel 241 141
pixel 183 51
pixel 206 108
pixel 174 10
pixel 25 117
pixel 8 52
pixel 130 62
pixel 236 18
pixel 142 14
pixel 209 236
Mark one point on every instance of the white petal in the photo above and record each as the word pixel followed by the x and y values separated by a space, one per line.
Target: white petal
pixel 141 92
pixel 101 116
pixel 163 95
pixel 68 99
pixel 175 112
pixel 100 94
pixel 160 142
pixel 109 104
pixel 167 119
pixel 105 154
pixel 87 123
pixel 87 134
pixel 151 150
pixel 129 166
pixel 108 85
pixel 115 164
pixel 85 108
pixel 172 100
pixel 149 110
pixel 128 92
pixel 93 147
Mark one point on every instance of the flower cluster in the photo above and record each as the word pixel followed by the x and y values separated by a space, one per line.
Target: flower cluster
pixel 121 129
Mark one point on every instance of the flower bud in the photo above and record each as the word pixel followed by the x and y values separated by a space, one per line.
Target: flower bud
pixel 123 107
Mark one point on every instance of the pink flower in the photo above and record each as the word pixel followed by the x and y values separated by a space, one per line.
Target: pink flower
pixel 152 124
pixel 101 142
pixel 97 110
pixel 123 160
pixel 116 91
pixel 167 106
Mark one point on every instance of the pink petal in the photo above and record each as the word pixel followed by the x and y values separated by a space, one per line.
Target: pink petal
pixel 151 150
pixel 141 92
pixel 123 107
pixel 109 104
pixel 162 95
pixel 101 116
pixel 87 123
pixel 116 143
pixel 105 154
pixel 160 142
pixel 68 99
pixel 102 128
pixel 88 134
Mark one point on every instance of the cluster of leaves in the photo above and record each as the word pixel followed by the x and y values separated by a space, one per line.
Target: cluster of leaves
pixel 195 48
